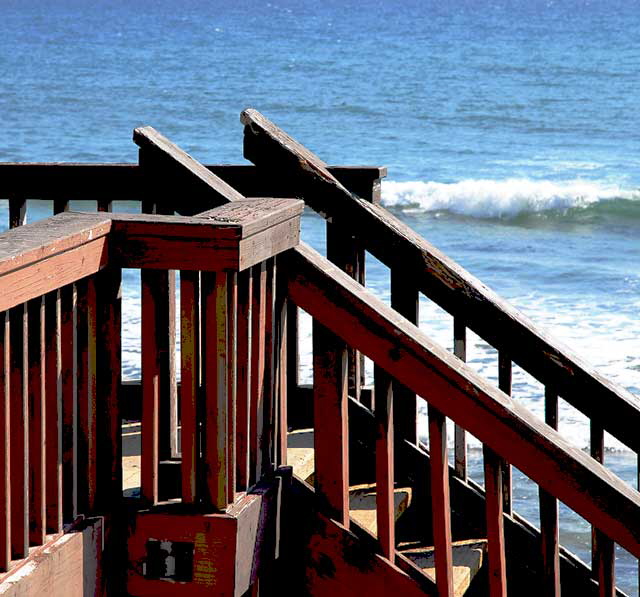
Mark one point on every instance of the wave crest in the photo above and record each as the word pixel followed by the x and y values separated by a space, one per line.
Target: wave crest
pixel 509 198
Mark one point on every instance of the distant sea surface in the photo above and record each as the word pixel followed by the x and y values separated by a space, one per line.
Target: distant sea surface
pixel 510 130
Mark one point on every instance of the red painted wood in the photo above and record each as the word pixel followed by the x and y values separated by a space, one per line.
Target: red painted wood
pixel 19 434
pixel 495 525
pixel 53 453
pixel 460 439
pixel 90 416
pixel 5 445
pixel 440 505
pixel 244 368
pixel 215 331
pixel 189 295
pixel 150 333
pixel 69 403
pixel 385 507
pixel 282 311
pixel 82 384
pixel 293 356
pixel 37 418
pixel 232 363
pixel 331 437
pixel 258 333
pixel 406 301
pixel 268 419
pixel 549 535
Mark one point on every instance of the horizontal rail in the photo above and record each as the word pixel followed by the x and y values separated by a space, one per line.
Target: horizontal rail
pixel 442 280
pixel 125 182
pixel 406 353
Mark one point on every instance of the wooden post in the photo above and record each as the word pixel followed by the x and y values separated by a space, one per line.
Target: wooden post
pixel 331 437
pixel 54 413
pixel 17 212
pixel 215 331
pixel 189 353
pixel 385 505
pixel 549 516
pixel 37 418
pixel 440 504
pixel 244 370
pixel 282 311
pixel 5 445
pixel 82 376
pixel 493 486
pixel 90 430
pixel 405 300
pixel 460 439
pixel 256 421
pixel 232 363
pixel 19 433
pixel 268 422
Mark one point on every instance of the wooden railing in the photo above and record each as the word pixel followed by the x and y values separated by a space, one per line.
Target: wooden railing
pixel 61 415
pixel 418 267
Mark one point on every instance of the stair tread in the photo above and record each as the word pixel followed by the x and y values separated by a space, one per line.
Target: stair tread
pixel 468 556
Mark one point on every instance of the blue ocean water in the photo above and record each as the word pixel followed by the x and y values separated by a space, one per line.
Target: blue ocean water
pixel 510 129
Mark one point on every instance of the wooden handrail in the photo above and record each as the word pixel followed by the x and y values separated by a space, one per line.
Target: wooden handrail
pixel 444 281
pixel 406 353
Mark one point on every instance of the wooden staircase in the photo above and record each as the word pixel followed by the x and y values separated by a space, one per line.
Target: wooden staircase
pixel 468 555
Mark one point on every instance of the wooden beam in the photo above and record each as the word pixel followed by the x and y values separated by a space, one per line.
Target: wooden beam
pixel 507 427
pixel 244 372
pixel 460 439
pixel 5 445
pixel 493 487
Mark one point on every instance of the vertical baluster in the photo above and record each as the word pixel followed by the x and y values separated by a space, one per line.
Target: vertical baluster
pixel 440 504
pixel 268 436
pixel 282 312
pixel 105 205
pixel 331 437
pixel 504 383
pixel 257 370
pixel 385 507
pixel 189 292
pixel 37 417
pixel 60 205
pixel 215 331
pixel 232 364
pixel 82 347
pixel 243 389
pixel 151 321
pixel 405 300
pixel 54 413
pixel 108 379
pixel 89 401
pixel 68 387
pixel 5 443
pixel 549 516
pixel 293 356
pixel 17 212
pixel 493 475
pixel 19 434
pixel 460 435
pixel 602 548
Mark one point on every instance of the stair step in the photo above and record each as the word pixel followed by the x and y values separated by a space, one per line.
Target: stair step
pixel 467 561
pixel 362 498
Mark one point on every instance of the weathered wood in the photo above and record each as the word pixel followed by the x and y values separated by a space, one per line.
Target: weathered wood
pixel 103 182
pixel 405 300
pixel 37 418
pixel 189 294
pixel 108 374
pixel 282 356
pixel 89 401
pixel 19 433
pixel 258 335
pixel 293 355
pixel 151 322
pixel 268 436
pixel 549 535
pixel 460 435
pixel 68 388
pixel 215 445
pixel 461 394
pixel 493 475
pixel 82 386
pixel 440 505
pixel 5 444
pixel 385 507
pixel 243 389
pixel 445 282
pixel 504 383
pixel 331 437
pixel 53 426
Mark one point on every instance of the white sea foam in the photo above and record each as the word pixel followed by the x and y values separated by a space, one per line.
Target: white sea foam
pixel 484 198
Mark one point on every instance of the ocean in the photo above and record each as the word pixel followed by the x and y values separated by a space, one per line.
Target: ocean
pixel 510 130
